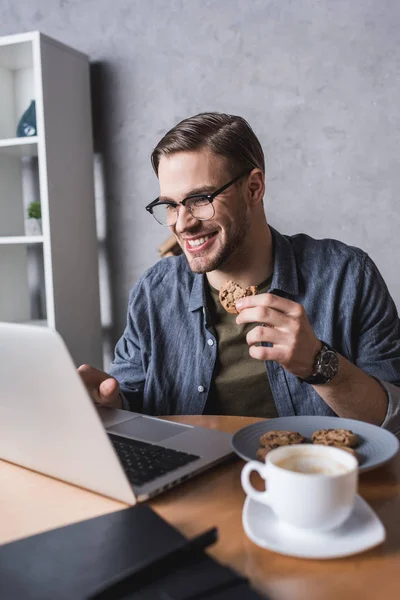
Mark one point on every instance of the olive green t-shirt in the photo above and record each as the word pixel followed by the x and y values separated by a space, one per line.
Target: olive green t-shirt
pixel 240 383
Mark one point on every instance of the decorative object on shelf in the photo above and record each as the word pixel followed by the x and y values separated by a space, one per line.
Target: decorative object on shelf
pixel 34 221
pixel 27 125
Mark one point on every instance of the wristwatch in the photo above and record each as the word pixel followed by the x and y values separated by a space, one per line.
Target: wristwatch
pixel 326 366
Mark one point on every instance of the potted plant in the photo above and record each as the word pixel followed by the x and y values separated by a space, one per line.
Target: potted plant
pixel 34 221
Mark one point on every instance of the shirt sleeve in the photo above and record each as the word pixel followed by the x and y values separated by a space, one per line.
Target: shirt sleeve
pixel 378 352
pixel 392 419
pixel 128 366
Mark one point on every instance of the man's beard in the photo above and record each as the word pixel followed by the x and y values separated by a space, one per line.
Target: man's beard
pixel 227 252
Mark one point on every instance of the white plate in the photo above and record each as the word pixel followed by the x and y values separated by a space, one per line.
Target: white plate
pixel 376 447
pixel 362 531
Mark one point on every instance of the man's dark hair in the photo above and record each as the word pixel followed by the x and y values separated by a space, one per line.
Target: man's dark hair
pixel 226 135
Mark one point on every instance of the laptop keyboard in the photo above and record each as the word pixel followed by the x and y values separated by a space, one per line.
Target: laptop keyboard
pixel 144 462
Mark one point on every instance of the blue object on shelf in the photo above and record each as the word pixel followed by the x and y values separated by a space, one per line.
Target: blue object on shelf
pixel 27 125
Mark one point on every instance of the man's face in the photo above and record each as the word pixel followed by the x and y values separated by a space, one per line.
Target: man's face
pixel 207 245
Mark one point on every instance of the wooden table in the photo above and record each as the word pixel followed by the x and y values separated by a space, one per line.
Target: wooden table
pixel 31 503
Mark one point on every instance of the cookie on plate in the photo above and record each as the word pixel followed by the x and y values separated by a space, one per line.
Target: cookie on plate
pixel 262 452
pixel 232 291
pixel 335 437
pixel 350 451
pixel 281 438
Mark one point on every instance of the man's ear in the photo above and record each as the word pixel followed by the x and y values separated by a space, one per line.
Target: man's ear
pixel 256 187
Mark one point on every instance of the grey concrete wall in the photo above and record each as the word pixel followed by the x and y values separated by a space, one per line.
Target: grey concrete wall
pixel 319 81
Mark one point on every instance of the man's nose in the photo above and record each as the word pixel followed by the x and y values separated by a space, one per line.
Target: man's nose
pixel 185 220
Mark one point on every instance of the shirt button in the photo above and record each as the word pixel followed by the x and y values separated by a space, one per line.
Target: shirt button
pixel 200 388
pixel 210 342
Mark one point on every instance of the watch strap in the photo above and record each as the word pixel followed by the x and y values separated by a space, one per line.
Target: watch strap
pixel 318 378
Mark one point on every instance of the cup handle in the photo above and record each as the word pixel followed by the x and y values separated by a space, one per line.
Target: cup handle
pixel 248 488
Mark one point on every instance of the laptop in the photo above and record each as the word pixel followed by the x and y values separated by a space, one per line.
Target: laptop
pixel 48 423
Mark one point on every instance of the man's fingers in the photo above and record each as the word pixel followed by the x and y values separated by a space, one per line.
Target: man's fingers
pixel 288 307
pixel 92 377
pixel 102 388
pixel 262 314
pixel 264 353
pixel 109 388
pixel 264 334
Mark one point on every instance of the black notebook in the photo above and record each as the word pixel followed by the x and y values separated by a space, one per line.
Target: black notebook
pixel 78 561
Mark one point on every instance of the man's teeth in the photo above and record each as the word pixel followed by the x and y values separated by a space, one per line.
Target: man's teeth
pixel 199 241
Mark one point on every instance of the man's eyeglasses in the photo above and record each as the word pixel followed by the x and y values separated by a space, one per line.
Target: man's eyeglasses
pixel 200 206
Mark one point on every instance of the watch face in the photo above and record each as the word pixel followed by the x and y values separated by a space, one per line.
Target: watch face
pixel 328 364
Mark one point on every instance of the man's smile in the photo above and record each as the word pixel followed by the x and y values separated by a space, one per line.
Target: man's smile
pixel 198 243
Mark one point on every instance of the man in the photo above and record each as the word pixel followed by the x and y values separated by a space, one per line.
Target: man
pixel 321 337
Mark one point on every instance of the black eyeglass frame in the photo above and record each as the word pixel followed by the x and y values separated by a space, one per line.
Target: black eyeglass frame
pixel 209 197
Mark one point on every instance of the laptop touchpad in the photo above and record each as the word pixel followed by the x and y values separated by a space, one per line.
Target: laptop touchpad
pixel 148 430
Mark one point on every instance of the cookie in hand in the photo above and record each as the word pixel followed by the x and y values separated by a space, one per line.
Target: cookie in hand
pixel 232 291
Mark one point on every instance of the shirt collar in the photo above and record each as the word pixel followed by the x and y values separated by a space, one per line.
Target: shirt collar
pixel 284 276
pixel 285 271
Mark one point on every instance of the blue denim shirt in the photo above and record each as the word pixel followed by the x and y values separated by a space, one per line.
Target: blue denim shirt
pixel 165 358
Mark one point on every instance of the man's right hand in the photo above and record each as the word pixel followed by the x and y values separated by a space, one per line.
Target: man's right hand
pixel 103 388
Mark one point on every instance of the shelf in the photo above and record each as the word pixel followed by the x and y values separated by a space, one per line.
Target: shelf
pixel 42 275
pixel 14 55
pixel 21 239
pixel 37 322
pixel 23 146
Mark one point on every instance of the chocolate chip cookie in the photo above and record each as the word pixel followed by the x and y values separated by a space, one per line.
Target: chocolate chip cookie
pixel 262 452
pixel 274 439
pixel 232 291
pixel 335 437
pixel 350 451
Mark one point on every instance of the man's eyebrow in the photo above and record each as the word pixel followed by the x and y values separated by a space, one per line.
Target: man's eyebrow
pixel 205 189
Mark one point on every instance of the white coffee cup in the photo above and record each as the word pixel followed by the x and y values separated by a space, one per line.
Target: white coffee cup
pixel 308 486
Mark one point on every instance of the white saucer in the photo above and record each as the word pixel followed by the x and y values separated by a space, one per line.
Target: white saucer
pixel 362 531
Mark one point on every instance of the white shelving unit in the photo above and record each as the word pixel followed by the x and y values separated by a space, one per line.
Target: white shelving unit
pixel 19 146
pixel 52 278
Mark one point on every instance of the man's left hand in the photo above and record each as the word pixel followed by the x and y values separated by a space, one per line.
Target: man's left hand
pixel 284 323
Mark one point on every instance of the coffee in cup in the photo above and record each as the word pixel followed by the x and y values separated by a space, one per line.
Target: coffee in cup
pixel 308 487
pixel 312 465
